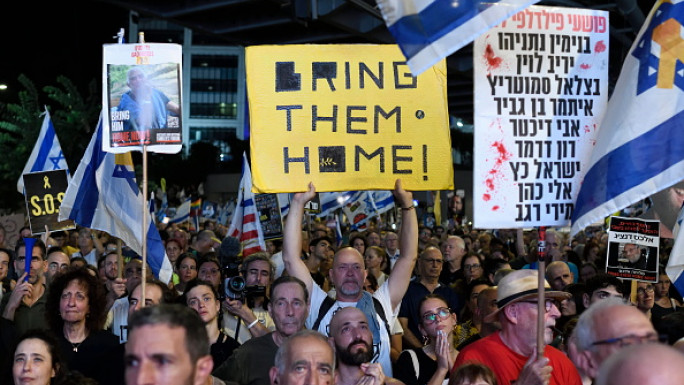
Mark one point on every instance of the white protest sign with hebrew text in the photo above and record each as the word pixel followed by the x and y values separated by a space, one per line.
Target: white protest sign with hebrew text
pixel 540 92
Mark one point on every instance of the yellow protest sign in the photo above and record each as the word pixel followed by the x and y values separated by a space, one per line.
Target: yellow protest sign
pixel 347 117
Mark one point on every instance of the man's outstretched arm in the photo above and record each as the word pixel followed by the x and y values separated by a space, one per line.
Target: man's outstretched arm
pixel 398 281
pixel 292 237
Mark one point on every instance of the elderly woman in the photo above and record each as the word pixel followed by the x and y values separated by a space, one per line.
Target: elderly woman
pixel 75 313
pixel 430 365
pixel 202 297
pixel 36 360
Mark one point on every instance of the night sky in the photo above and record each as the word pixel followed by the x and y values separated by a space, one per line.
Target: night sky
pixel 47 39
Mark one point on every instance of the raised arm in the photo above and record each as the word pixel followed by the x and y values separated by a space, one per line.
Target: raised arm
pixel 408 245
pixel 292 237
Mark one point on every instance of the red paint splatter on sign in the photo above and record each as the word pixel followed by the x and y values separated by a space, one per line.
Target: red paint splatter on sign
pixel 492 60
pixel 495 208
pixel 599 46
pixel 486 197
pixel 489 183
pixel 504 155
pixel 585 66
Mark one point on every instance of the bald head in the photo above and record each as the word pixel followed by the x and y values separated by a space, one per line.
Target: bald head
pixel 558 275
pixel 344 316
pixel 650 364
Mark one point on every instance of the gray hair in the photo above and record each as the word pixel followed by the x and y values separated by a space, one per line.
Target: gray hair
pixel 585 331
pixel 259 256
pixel 284 349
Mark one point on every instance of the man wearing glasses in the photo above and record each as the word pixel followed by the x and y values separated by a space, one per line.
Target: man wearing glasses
pixel 605 328
pixel 430 265
pixel 512 353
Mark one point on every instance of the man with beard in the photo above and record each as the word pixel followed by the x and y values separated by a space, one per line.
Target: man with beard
pixel 114 286
pixel 353 341
pixel 348 274
pixel 25 305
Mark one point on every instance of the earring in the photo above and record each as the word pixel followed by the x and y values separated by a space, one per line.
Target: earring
pixel 426 340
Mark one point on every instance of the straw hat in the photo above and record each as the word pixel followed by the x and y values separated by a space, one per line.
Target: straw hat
pixel 521 285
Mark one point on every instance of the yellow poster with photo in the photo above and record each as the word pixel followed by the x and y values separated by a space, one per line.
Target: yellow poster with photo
pixel 346 117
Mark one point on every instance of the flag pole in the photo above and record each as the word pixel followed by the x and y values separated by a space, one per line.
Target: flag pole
pixel 141 40
pixel 541 306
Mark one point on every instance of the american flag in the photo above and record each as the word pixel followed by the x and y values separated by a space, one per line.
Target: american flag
pixel 245 225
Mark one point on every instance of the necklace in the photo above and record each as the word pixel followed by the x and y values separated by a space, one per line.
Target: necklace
pixel 75 346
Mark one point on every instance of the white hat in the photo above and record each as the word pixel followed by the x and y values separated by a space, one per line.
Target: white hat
pixel 520 285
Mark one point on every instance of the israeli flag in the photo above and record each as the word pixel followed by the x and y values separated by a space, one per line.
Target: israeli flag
pixel 104 195
pixel 430 30
pixel 47 153
pixel 640 147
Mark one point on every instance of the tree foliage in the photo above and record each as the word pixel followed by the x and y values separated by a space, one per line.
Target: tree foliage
pixel 75 118
pixel 72 115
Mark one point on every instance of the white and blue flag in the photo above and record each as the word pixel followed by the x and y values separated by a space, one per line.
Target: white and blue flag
pixel 47 153
pixel 103 195
pixel 675 264
pixel 182 212
pixel 430 30
pixel 640 147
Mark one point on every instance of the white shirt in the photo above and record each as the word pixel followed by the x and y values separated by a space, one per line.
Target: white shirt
pixel 382 295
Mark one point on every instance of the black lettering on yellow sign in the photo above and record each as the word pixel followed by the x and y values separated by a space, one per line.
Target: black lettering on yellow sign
pixel 333 159
pixel 326 73
pixel 355 115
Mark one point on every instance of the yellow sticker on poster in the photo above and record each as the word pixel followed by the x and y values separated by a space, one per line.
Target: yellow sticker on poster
pixel 347 117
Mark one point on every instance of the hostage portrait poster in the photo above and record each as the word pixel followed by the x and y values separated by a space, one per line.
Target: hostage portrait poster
pixel 142 97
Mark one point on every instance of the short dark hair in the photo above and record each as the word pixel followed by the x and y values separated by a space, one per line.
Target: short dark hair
pixel 471 372
pixel 288 279
pixel 168 295
pixel 314 242
pixel 39 244
pixel 429 297
pixel 58 365
pixel 96 299
pixel 175 316
pixel 185 255
pixel 602 281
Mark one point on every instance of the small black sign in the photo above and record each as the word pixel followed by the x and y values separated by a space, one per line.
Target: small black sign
pixel 44 191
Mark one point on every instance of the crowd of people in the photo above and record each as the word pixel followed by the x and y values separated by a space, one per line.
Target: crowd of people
pixel 395 303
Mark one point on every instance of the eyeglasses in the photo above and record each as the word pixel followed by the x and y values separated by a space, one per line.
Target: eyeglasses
pixel 56 266
pixel 644 290
pixel 442 313
pixel 472 267
pixel 548 304
pixel 629 339
pixel 437 261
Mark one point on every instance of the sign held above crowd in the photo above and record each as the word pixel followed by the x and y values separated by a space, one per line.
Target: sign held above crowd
pixel 347 117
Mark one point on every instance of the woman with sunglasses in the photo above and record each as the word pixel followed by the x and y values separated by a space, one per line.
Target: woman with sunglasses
pixel 430 365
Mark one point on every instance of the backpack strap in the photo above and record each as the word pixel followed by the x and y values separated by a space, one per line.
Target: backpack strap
pixel 327 303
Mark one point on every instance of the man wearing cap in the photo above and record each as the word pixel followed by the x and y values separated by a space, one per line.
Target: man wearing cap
pixel 511 353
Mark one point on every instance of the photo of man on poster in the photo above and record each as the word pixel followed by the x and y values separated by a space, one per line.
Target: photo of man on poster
pixel 148 107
